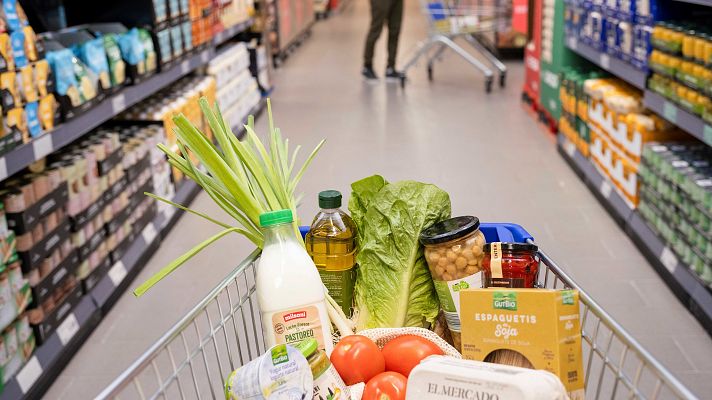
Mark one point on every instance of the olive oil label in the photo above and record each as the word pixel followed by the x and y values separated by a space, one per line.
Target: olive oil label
pixel 341 286
pixel 295 325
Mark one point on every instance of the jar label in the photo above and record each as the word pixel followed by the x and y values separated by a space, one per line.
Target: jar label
pixel 449 295
pixel 330 386
pixel 496 260
pixel 505 282
pixel 295 325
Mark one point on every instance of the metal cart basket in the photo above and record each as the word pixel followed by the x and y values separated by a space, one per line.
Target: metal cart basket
pixel 223 331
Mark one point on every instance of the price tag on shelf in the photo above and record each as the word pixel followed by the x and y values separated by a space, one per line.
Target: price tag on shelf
pixel 573 42
pixel 669 259
pixel 28 374
pixel 605 61
pixel 204 56
pixel 606 189
pixel 570 148
pixel 149 233
pixel 117 273
pixel 3 168
pixel 42 146
pixel 118 103
pixel 67 329
pixel 670 112
pixel 185 67
pixel 706 135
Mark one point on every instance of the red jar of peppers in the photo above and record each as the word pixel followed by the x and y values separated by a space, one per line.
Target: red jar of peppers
pixel 512 265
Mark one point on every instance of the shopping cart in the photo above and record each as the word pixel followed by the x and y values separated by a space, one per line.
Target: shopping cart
pixel 449 20
pixel 223 332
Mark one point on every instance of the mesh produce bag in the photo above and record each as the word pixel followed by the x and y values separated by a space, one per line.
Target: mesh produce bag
pixel 381 336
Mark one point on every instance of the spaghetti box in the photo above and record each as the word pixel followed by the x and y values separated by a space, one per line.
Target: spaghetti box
pixel 542 325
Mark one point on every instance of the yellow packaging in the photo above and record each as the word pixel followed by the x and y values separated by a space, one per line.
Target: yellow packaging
pixel 6 51
pixel 41 76
pixel 30 44
pixel 542 325
pixel 8 81
pixel 47 108
pixel 29 91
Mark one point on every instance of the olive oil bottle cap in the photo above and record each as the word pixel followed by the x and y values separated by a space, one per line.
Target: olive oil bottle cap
pixel 330 199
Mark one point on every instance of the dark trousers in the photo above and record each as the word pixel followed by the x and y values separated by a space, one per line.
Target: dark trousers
pixel 382 12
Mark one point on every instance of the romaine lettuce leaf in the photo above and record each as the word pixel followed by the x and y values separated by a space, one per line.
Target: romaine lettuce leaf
pixel 393 286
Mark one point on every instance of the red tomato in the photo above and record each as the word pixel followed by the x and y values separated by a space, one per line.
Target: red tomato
pixel 386 386
pixel 357 359
pixel 403 353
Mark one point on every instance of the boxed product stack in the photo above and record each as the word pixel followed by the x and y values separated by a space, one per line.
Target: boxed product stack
pixel 36 211
pixel 619 128
pixel 619 28
pixel 238 91
pixel 17 340
pixel 202 19
pixel 180 99
pixel 98 188
pixel 233 12
pixel 574 107
pixel 259 65
pixel 676 200
pixel 681 62
pixel 28 106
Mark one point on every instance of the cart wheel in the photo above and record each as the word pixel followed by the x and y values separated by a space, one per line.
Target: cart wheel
pixel 402 82
pixel 502 79
pixel 430 73
pixel 488 85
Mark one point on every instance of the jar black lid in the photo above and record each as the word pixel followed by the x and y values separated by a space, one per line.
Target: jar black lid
pixel 450 229
pixel 513 247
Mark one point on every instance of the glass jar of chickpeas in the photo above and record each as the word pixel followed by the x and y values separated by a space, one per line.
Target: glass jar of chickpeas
pixel 454 253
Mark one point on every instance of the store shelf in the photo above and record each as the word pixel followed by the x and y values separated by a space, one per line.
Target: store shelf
pixel 120 275
pixel 229 33
pixel 691 123
pixel 617 67
pixel 47 362
pixel 256 111
pixel 707 3
pixel 692 292
pixel 607 193
pixel 76 127
pixel 686 285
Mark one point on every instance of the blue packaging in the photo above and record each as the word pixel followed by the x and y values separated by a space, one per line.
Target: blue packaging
pixel 33 119
pixel 624 40
pixel 641 46
pixel 93 54
pixel 12 17
pixel 610 36
pixel 17 42
pixel 159 8
pixel 177 40
pixel 63 70
pixel 164 45
pixel 174 8
pixel 187 35
pixel 132 47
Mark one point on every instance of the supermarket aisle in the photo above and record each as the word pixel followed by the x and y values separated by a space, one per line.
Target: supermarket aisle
pixel 484 150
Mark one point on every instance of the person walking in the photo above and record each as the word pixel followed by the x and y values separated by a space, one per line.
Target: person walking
pixel 383 12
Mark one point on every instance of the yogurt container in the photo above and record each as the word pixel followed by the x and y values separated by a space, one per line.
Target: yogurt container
pixel 282 373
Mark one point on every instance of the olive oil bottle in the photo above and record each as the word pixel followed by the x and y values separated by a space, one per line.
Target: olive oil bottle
pixel 331 243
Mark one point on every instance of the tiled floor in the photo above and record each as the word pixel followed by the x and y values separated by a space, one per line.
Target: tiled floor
pixel 483 149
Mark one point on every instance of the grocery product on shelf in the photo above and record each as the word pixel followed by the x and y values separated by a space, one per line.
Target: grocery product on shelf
pixel 290 316
pixel 543 326
pixel 453 250
pixel 331 243
pixel 28 106
pixel 676 200
pixel 232 12
pixel 238 92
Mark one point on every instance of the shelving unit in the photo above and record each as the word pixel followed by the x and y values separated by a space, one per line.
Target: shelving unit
pixel 48 360
pixel 73 129
pixel 621 69
pixel 691 123
pixel 691 291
